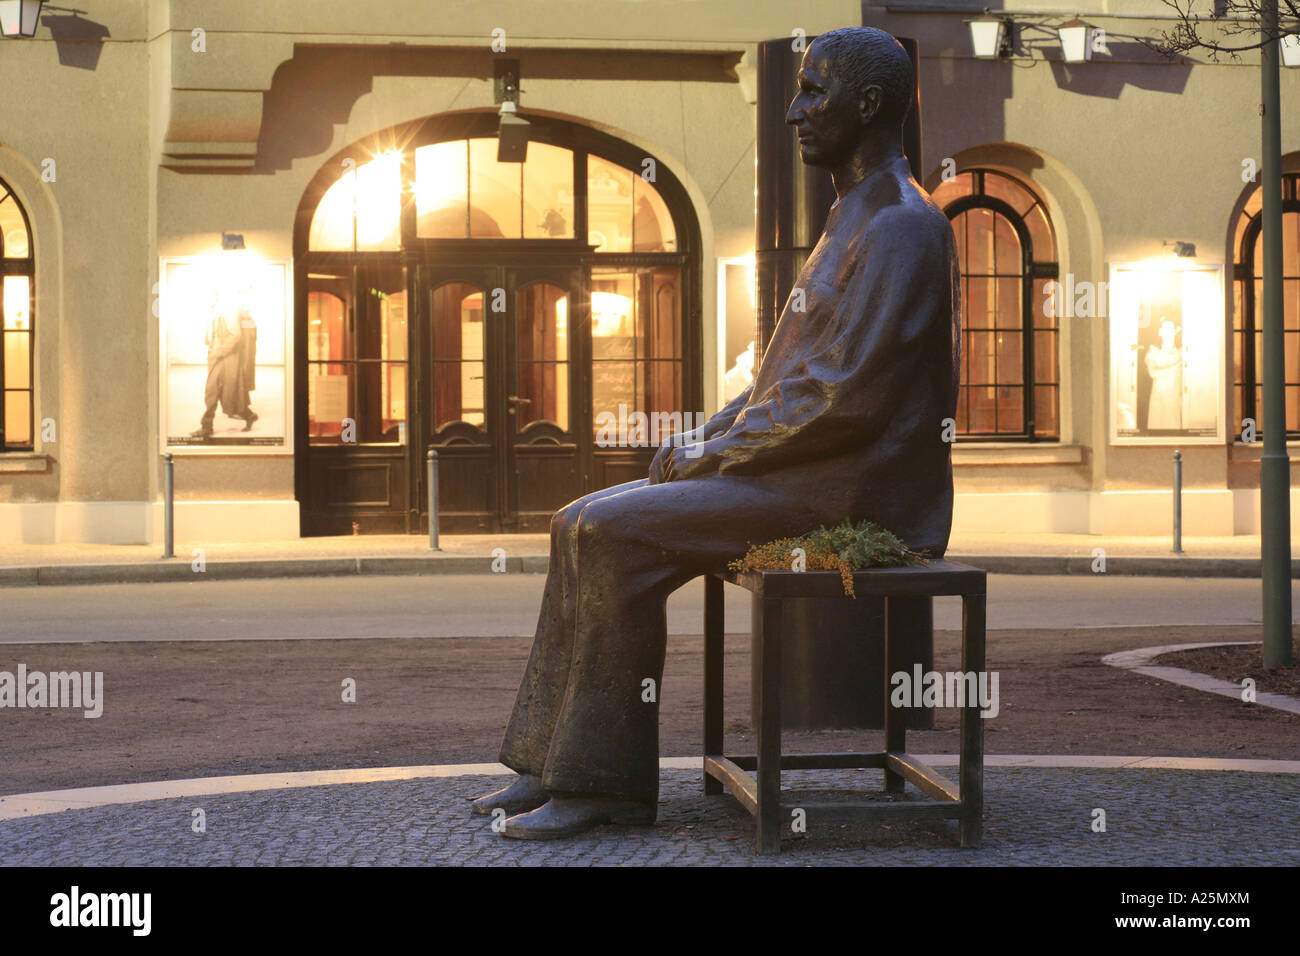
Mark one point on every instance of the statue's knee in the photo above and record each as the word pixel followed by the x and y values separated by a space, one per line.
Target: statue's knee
pixel 566 519
pixel 593 526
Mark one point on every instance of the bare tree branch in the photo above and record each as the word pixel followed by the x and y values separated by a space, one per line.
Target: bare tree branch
pixel 1227 18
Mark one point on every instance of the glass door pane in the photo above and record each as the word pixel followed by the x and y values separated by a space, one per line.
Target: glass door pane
pixel 459 353
pixel 543 356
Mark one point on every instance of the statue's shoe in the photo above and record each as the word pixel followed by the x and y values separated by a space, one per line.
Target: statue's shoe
pixel 567 816
pixel 524 794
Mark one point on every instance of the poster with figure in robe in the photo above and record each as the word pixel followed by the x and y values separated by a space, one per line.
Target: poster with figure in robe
pixel 1166 348
pixel 225 340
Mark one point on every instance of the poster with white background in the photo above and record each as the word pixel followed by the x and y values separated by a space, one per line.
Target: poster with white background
pixel 1166 353
pixel 226 340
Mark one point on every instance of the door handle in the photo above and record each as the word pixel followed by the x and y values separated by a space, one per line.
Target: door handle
pixel 514 401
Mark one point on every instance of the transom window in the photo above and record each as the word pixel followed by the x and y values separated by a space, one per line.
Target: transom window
pixel 1010 377
pixel 16 328
pixel 1248 309
pixel 461 192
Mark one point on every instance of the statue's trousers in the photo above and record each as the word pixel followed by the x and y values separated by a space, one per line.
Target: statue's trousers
pixel 586 719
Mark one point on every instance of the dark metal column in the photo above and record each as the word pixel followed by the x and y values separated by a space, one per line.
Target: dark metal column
pixel 833 651
pixel 793 199
pixel 1274 466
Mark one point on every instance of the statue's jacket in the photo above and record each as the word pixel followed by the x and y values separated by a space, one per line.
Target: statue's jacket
pixel 854 402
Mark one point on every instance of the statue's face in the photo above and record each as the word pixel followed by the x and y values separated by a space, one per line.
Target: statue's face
pixel 828 115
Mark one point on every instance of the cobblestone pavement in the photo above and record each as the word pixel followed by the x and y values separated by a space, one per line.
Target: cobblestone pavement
pixel 1033 817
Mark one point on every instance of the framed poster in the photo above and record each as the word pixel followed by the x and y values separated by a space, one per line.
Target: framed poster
pixel 225 338
pixel 1166 353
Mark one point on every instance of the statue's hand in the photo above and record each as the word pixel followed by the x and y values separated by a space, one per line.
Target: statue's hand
pixel 659 466
pixel 691 461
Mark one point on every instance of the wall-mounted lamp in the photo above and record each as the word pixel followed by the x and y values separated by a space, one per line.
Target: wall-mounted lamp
pixel 991 37
pixel 1076 41
pixel 231 241
pixel 18 18
pixel 512 131
pixel 1290 45
pixel 1184 250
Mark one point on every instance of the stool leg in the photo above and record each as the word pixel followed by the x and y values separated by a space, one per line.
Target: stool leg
pixel 895 718
pixel 713 649
pixel 766 687
pixel 971 823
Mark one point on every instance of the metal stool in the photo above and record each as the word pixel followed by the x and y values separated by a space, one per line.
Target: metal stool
pixel 762 797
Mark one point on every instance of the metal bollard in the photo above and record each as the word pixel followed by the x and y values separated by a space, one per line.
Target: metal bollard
pixel 169 497
pixel 433 501
pixel 1178 502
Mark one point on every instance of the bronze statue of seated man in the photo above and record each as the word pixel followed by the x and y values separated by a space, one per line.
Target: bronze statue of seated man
pixel 845 419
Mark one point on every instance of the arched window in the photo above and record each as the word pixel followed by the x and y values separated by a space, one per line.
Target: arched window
pixel 1248 309
pixel 16 297
pixel 1010 378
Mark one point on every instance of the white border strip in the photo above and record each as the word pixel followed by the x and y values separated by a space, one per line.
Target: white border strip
pixel 21 805
pixel 1137 661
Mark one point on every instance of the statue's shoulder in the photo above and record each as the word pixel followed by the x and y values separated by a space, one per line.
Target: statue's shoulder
pixel 905 211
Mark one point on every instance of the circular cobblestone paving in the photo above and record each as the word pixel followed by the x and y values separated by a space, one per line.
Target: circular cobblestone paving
pixel 1032 817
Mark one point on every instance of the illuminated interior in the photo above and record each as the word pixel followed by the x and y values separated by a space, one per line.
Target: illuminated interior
pixel 1009 365
pixel 16 325
pixel 357 372
pixel 1248 309
pixel 461 191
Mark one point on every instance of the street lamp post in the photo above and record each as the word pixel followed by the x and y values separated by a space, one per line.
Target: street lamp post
pixel 1275 468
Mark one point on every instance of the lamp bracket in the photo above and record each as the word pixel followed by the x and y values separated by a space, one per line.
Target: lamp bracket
pixel 505 81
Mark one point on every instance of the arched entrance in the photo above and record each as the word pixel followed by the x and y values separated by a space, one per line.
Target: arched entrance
pixel 496 312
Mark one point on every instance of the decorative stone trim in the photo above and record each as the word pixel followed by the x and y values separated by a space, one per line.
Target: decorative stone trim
pixel 24 463
pixel 1015 453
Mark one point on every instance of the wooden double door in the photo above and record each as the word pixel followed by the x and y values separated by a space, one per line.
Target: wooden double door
pixel 486 360
pixel 501 394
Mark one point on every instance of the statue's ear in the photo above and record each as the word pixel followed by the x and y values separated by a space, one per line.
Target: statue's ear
pixel 869 104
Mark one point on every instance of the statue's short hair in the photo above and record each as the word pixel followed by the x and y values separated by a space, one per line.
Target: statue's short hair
pixel 864 56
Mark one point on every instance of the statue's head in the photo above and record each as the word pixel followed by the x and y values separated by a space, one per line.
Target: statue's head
pixel 852 82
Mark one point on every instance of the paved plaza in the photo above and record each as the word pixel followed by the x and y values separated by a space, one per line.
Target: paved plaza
pixel 1034 817
pixel 271 645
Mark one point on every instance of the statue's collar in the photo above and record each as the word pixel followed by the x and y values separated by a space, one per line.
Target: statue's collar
pixel 874 174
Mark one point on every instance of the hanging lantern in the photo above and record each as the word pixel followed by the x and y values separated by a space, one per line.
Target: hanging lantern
pixel 18 18
pixel 1290 45
pixel 990 37
pixel 1076 41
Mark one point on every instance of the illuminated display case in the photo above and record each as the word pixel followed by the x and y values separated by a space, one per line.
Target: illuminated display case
pixel 1166 353
pixel 224 338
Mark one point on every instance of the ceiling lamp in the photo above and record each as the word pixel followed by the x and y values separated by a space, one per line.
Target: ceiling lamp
pixel 18 18
pixel 991 37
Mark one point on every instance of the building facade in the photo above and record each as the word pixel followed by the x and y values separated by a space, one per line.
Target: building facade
pixel 281 243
